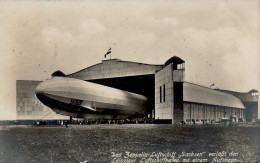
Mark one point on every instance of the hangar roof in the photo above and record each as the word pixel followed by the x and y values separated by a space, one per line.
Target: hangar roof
pixel 200 94
pixel 251 96
pixel 174 59
pixel 114 68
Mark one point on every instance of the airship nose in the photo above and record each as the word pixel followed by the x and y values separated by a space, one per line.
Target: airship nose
pixel 39 89
pixel 55 86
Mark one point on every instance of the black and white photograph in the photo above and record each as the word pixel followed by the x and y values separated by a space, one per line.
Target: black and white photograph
pixel 129 81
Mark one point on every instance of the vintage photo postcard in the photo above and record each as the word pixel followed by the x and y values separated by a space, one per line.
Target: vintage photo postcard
pixel 129 81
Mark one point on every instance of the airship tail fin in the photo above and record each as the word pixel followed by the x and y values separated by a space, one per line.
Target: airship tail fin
pixel 90 108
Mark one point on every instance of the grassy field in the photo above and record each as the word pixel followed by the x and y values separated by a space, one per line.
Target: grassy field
pixel 135 142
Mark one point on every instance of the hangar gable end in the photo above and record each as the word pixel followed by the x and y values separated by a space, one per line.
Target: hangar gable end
pixel 114 68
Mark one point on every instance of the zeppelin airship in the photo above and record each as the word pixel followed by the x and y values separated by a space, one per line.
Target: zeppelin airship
pixel 82 99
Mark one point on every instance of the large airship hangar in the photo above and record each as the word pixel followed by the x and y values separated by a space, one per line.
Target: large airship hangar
pixel 170 99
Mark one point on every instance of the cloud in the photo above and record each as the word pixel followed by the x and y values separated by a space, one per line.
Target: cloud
pixel 140 38
pixel 170 21
pixel 87 29
pixel 67 41
pixel 52 36
pixel 92 26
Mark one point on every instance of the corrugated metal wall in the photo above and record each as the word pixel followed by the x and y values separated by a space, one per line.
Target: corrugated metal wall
pixel 199 112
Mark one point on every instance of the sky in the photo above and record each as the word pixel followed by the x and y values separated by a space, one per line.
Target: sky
pixel 219 40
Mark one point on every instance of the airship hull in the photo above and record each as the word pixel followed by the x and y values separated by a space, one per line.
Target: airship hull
pixel 77 98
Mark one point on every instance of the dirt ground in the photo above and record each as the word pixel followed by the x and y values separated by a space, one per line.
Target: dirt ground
pixel 130 143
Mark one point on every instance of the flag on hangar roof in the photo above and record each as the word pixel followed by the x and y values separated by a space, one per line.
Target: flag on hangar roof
pixel 108 52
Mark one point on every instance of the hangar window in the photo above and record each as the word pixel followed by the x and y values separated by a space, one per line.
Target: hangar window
pixel 254 93
pixel 160 94
pixel 164 93
pixel 180 66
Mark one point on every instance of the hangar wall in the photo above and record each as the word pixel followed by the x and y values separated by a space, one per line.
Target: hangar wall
pixel 206 104
pixel 200 112
pixel 169 91
pixel 252 111
pixel 250 100
pixel 164 94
